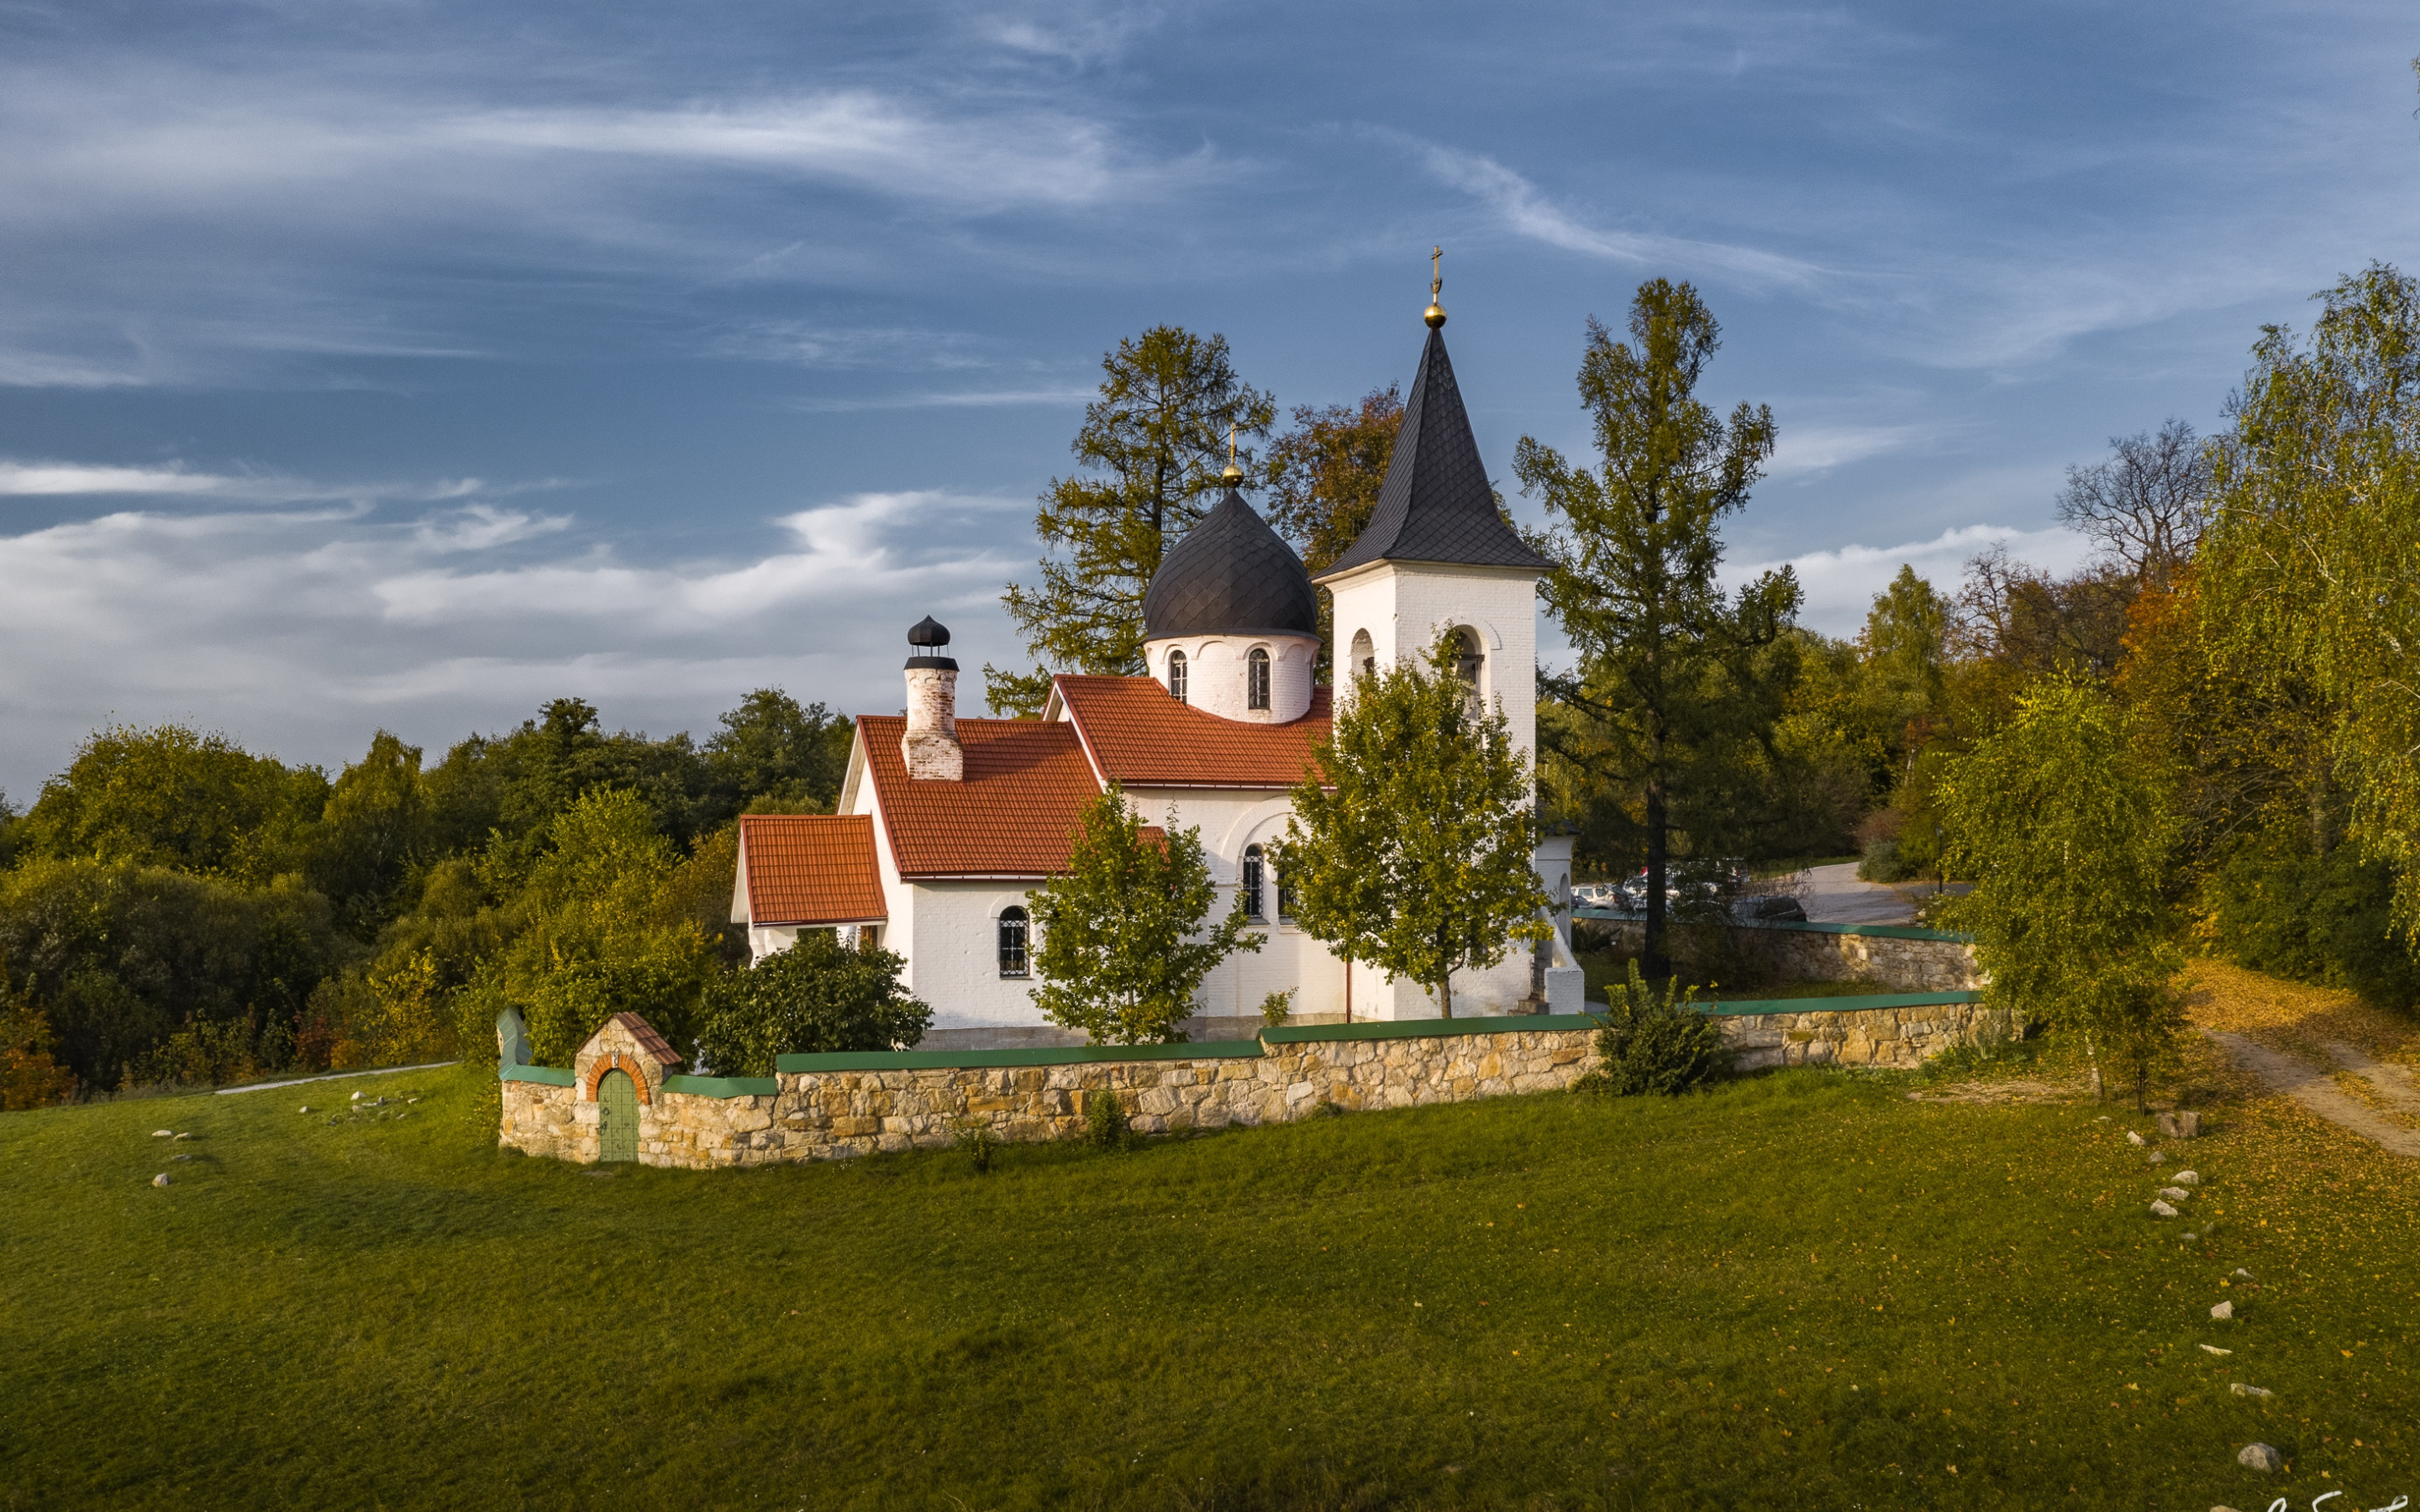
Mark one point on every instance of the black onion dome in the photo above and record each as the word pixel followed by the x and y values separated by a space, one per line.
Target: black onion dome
pixel 1437 504
pixel 926 639
pixel 1231 575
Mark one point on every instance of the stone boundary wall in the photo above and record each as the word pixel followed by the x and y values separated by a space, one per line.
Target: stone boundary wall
pixel 1909 960
pixel 851 1104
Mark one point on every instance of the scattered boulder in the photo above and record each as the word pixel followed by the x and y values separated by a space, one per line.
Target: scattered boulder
pixel 181 1157
pixel 163 1134
pixel 357 1097
pixel 2224 1311
pixel 2188 1125
pixel 2154 1158
pixel 2175 1194
pixel 2161 1210
pixel 2168 1125
pixel 2259 1456
pixel 2133 1138
pixel 184 1137
pixel 160 1179
pixel 2212 1349
pixel 2263 1392
pixel 2187 1178
pixel 307 1107
pixel 2190 1238
pixel 2243 1274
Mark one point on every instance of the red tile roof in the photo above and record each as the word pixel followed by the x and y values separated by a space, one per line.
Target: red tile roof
pixel 1139 735
pixel 650 1042
pixel 1011 815
pixel 811 869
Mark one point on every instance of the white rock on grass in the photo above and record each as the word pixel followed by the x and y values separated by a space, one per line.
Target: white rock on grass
pixel 307 1107
pixel 184 1137
pixel 2243 1274
pixel 2239 1389
pixel 2212 1349
pixel 2133 1138
pixel 2259 1456
pixel 160 1179
pixel 357 1097
pixel 163 1134
pixel 2154 1158
pixel 2175 1194
pixel 2187 1179
pixel 2224 1311
pixel 2161 1210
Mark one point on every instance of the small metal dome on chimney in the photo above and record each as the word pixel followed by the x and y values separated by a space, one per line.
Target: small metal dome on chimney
pixel 929 635
pixel 930 748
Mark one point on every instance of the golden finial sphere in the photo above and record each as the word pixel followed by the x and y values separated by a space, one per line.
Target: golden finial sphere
pixel 1232 475
pixel 1434 315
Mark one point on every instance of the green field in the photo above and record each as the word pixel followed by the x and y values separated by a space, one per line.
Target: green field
pixel 1802 1290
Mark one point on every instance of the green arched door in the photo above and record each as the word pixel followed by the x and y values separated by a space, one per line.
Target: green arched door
pixel 618 1117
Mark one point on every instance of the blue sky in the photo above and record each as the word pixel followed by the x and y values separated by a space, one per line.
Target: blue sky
pixel 403 363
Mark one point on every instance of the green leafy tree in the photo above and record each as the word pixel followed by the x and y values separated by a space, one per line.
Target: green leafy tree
pixel 375 830
pixel 817 997
pixel 169 796
pixel 1412 839
pixel 774 751
pixel 2069 842
pixel 590 934
pixel 1154 443
pixel 1124 951
pixel 2310 564
pixel 1674 682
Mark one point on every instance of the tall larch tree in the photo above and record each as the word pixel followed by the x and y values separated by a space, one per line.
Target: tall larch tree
pixel 1672 675
pixel 1153 447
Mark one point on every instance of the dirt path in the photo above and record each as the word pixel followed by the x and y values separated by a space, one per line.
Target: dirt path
pixel 2318 1091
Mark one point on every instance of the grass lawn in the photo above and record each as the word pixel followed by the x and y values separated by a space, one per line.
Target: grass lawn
pixel 1802 1290
pixel 1603 968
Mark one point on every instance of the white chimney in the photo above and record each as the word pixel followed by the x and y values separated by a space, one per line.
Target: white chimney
pixel 931 745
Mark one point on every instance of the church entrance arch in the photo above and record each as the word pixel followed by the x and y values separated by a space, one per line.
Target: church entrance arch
pixel 618 1117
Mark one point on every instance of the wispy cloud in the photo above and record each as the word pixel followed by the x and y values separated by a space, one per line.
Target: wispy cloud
pixel 974 398
pixel 1812 448
pixel 302 630
pixel 1526 210
pixel 67 480
pixel 809 345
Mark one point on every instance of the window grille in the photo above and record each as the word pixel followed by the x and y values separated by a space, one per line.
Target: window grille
pixel 1252 881
pixel 1176 676
pixel 1256 680
pixel 1015 960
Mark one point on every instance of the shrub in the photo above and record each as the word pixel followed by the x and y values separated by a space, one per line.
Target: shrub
pixel 1653 1040
pixel 1106 1124
pixel 1276 1009
pixel 816 997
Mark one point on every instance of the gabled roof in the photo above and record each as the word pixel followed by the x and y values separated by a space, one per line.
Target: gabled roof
pixel 1137 735
pixel 651 1044
pixel 810 869
pixel 1231 575
pixel 1012 815
pixel 1435 504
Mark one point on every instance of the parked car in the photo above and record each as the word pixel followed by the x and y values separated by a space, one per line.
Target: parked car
pixel 1769 907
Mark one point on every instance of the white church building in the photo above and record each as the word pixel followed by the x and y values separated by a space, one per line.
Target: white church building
pixel 945 823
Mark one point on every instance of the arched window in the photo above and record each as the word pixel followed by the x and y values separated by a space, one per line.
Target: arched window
pixel 1468 658
pixel 1015 960
pixel 1252 881
pixel 1286 899
pixel 1365 656
pixel 1176 676
pixel 1256 680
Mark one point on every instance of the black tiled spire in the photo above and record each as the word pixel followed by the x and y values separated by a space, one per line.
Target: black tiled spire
pixel 1435 504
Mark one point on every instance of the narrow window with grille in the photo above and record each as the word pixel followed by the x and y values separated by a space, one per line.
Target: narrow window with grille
pixel 1176 676
pixel 1015 960
pixel 1256 680
pixel 1252 881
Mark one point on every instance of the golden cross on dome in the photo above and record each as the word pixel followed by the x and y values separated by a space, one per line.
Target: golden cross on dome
pixel 1435 315
pixel 1233 473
